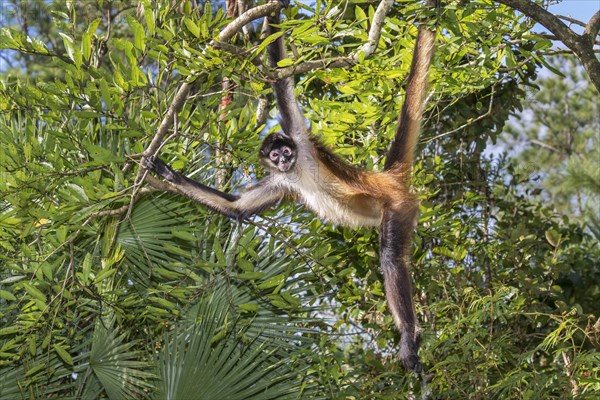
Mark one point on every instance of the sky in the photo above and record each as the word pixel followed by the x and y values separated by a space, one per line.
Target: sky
pixel 581 10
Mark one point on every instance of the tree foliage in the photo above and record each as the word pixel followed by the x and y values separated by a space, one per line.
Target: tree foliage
pixel 111 290
pixel 560 123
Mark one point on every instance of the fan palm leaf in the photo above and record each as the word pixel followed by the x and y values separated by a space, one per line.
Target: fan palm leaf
pixel 119 368
pixel 207 357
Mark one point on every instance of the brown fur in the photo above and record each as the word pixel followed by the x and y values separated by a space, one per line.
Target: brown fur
pixel 386 188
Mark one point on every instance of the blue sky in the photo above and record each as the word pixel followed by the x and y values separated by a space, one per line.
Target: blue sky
pixel 581 10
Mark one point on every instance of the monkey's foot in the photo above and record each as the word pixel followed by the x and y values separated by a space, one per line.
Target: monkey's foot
pixel 409 356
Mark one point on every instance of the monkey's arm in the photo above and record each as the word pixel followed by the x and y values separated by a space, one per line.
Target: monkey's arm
pixel 254 200
pixel 292 119
pixel 395 235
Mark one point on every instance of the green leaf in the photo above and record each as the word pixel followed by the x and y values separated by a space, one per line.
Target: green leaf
pixel 100 154
pixel 286 62
pixel 251 275
pixel 35 369
pixel 191 26
pixel 73 52
pixel 176 249
pixel 139 35
pixel 245 265
pixel 183 234
pixel 362 17
pixel 7 295
pixel 86 269
pixel 149 17
pixel 10 330
pixel 268 40
pixel 103 274
pixel 34 292
pixel 249 307
pixel 86 46
pixel 105 94
pixel 553 237
pixel 93 26
pixel 510 58
pixel 163 302
pixel 63 354
pixel 272 282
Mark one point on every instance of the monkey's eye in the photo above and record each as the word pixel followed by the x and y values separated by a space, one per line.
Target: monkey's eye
pixel 287 151
pixel 274 155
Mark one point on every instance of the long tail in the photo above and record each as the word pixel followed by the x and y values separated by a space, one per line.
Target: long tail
pixel 401 153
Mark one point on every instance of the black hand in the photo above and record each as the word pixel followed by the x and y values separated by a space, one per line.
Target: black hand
pixel 157 165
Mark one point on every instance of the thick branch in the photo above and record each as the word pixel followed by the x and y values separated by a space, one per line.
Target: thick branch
pixel 254 13
pixel 591 29
pixel 582 46
pixel 375 32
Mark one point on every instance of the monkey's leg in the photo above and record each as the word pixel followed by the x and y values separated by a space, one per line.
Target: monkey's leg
pixel 396 233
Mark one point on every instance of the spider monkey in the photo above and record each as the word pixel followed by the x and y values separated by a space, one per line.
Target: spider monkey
pixel 302 168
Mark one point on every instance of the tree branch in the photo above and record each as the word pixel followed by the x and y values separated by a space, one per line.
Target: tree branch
pixel 167 121
pixel 375 32
pixel 555 39
pixel 313 65
pixel 591 29
pixel 582 45
pixel 571 20
pixel 254 13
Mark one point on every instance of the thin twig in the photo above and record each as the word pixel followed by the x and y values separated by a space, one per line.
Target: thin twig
pixel 571 20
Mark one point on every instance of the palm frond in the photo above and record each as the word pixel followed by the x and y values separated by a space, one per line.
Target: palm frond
pixel 208 357
pixel 119 368
pixel 156 236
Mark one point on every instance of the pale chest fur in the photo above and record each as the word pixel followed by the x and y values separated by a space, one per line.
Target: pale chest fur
pixel 322 194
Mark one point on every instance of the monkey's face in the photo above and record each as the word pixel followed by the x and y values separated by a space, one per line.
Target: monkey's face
pixel 278 151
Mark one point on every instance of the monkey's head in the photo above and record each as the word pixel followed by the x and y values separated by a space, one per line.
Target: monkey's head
pixel 278 151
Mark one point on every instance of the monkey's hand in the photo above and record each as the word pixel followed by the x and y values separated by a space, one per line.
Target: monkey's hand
pixel 157 165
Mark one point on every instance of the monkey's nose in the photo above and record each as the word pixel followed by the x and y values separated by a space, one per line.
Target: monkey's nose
pixel 284 166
